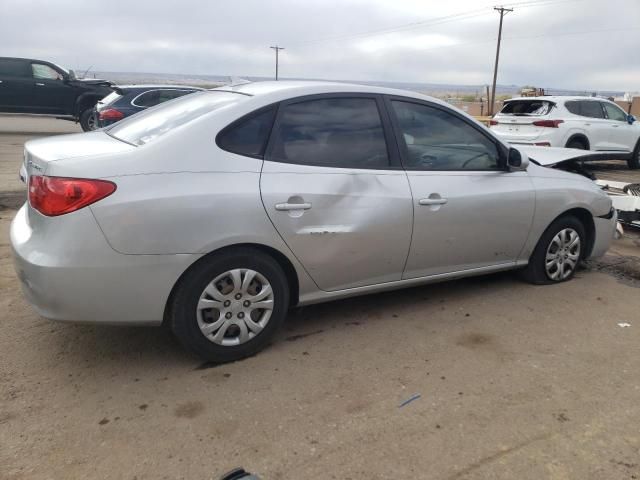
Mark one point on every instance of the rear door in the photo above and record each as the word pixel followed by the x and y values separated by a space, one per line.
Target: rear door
pixel 51 93
pixel 16 86
pixel 333 187
pixel 469 213
pixel 622 135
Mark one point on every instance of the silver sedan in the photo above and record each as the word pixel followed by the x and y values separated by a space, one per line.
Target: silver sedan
pixel 216 212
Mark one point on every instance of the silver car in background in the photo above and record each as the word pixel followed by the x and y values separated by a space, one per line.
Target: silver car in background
pixel 216 212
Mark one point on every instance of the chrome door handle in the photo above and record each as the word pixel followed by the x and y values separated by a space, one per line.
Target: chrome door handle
pixel 0 81
pixel 432 201
pixel 284 207
pixel 40 84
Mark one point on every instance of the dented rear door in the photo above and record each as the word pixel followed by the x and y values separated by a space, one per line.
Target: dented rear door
pixel 348 226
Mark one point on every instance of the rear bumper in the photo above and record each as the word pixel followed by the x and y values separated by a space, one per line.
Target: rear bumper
pixel 605 229
pixel 550 137
pixel 80 278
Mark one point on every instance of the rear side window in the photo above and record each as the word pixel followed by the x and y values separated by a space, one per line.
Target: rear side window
pixel 527 107
pixel 151 124
pixel 12 67
pixel 591 109
pixel 331 132
pixel 155 97
pixel 573 107
pixel 248 136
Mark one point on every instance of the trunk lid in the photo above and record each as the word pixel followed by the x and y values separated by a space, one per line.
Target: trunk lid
pixel 39 154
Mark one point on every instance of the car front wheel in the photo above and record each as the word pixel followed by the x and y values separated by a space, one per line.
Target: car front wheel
pixel 229 305
pixel 88 120
pixel 558 252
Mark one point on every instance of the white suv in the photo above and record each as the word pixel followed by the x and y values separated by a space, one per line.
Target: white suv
pixel 573 122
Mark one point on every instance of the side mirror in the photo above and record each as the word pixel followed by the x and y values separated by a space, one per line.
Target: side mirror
pixel 631 119
pixel 517 161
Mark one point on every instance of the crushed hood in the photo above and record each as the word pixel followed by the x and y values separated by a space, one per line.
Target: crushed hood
pixel 552 156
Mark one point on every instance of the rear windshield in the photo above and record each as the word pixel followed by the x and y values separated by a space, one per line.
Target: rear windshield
pixel 526 107
pixel 152 123
pixel 108 100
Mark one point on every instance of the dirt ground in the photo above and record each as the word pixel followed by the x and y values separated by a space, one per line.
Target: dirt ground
pixel 515 381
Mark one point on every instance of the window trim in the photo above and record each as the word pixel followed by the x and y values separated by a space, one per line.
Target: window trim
pixel 248 116
pixel 159 90
pixel 404 151
pixel 393 154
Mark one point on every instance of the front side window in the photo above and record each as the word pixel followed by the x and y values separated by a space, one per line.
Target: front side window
pixel 591 109
pixel 45 72
pixel 438 140
pixel 249 136
pixel 331 132
pixel 614 113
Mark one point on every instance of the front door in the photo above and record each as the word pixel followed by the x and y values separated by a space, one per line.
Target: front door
pixel 51 94
pixel 622 135
pixel 469 212
pixel 335 191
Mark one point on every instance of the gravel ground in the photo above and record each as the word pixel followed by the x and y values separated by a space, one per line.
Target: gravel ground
pixel 515 382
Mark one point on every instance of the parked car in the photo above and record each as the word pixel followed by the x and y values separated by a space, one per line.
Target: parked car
pixel 586 123
pixel 44 88
pixel 126 100
pixel 216 212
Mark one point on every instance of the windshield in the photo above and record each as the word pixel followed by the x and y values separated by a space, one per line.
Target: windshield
pixel 154 122
pixel 526 107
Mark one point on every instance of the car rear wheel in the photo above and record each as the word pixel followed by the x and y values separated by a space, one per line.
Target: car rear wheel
pixel 229 305
pixel 634 161
pixel 577 143
pixel 88 120
pixel 558 252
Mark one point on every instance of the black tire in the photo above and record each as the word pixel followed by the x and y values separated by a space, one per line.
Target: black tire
pixel 183 315
pixel 634 161
pixel 535 272
pixel 87 120
pixel 577 143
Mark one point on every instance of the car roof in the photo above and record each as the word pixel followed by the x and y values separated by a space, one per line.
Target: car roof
pixel 558 98
pixel 151 87
pixel 296 88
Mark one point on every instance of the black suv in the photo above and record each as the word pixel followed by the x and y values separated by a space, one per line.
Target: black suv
pixel 36 86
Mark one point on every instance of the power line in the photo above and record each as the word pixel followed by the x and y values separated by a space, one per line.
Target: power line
pixel 430 22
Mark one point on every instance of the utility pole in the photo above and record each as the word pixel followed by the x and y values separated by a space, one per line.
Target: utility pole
pixel 503 11
pixel 277 49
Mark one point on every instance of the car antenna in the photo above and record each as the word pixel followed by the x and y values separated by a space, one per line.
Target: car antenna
pixel 87 71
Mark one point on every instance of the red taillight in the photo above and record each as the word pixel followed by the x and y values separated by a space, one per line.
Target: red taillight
pixel 111 114
pixel 53 196
pixel 493 122
pixel 548 123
